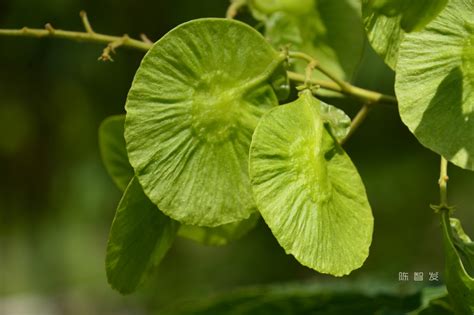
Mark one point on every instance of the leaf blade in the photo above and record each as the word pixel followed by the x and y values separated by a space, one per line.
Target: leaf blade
pixel 439 63
pixel 219 235
pixel 116 162
pixel 113 151
pixel 191 111
pixel 139 238
pixel 459 283
pixel 322 29
pixel 387 22
pixel 308 191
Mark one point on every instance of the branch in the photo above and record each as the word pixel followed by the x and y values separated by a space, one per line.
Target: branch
pixel 79 36
pixel 145 44
pixel 357 121
pixel 362 94
pixel 337 84
pixel 107 52
pixel 88 36
pixel 344 86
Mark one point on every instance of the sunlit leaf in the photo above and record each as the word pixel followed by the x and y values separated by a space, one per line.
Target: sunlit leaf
pixel 459 282
pixel 323 29
pixel 219 235
pixel 337 121
pixel 113 150
pixel 139 238
pixel 115 158
pixel 435 83
pixel 387 21
pixel 191 112
pixel 308 191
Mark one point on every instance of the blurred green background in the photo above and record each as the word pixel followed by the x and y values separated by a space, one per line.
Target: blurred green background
pixel 57 202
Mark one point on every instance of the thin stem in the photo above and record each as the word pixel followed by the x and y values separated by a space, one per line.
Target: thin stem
pixel 107 52
pixel 443 183
pixel 113 42
pixel 309 73
pixel 357 121
pixel 444 209
pixel 300 55
pixel 49 28
pixel 85 21
pixel 79 36
pixel 234 7
pixel 88 36
pixel 443 206
pixel 362 94
pixel 327 85
pixel 145 39
pixel 344 86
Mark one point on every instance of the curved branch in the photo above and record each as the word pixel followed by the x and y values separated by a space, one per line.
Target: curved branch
pixel 145 44
pixel 337 84
pixel 88 36
pixel 363 94
pixel 79 36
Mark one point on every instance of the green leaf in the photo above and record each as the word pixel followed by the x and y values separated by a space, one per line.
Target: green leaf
pixel 434 301
pixel 297 7
pixel 323 29
pixel 435 83
pixel 113 150
pixel 219 235
pixel 112 144
pixel 139 238
pixel 387 21
pixel 338 123
pixel 464 245
pixel 300 299
pixel 459 282
pixel 308 191
pixel 191 111
pixel 437 306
